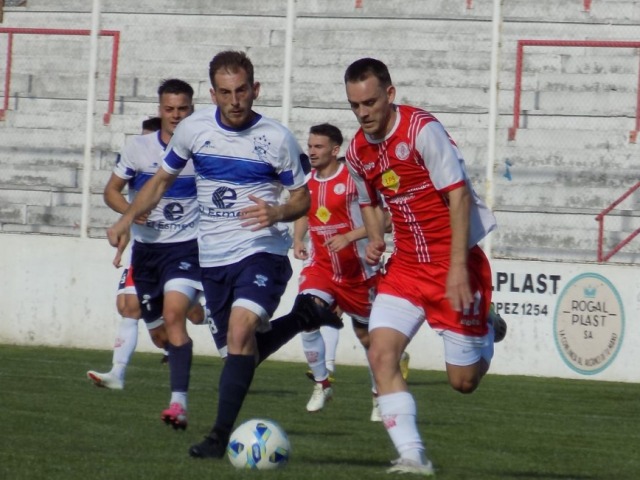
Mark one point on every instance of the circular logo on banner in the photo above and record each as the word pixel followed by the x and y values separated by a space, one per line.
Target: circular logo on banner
pixel 589 323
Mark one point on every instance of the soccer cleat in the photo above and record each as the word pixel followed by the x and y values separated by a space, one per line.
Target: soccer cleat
pixel 499 325
pixel 214 445
pixel 319 397
pixel 375 411
pixel 312 315
pixel 105 380
pixel 310 376
pixel 404 365
pixel 175 415
pixel 405 465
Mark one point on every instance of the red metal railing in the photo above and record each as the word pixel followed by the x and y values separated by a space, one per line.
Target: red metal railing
pixel 602 256
pixel 58 31
pixel 566 43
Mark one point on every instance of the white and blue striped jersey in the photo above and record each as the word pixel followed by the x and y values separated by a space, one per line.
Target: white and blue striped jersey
pixel 175 218
pixel 262 159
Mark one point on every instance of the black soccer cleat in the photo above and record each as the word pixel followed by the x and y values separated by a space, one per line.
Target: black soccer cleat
pixel 214 445
pixel 313 315
pixel 499 326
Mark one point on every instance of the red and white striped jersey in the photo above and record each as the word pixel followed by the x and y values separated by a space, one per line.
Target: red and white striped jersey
pixel 335 210
pixel 412 168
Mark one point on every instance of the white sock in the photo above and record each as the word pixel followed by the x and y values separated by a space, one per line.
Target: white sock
pixel 125 344
pixel 331 336
pixel 179 397
pixel 400 407
pixel 313 347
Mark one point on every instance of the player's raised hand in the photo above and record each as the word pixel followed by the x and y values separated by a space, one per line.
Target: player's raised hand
pixel 260 215
pixel 374 251
pixel 118 236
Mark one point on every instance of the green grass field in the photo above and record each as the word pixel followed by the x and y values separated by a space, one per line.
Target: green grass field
pixel 56 425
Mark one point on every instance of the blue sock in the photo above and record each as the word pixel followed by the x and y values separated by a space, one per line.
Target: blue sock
pixel 235 380
pixel 180 366
pixel 282 330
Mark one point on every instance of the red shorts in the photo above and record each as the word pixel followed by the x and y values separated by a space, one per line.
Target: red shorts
pixel 424 285
pixel 354 298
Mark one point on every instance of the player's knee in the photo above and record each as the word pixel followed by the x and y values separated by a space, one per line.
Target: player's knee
pixel 159 337
pixel 465 387
pixel 362 334
pixel 196 314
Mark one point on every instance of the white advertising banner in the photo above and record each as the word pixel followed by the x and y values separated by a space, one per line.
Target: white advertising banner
pixel 564 320
pixel 568 320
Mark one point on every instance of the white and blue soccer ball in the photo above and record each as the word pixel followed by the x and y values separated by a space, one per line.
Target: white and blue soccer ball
pixel 259 444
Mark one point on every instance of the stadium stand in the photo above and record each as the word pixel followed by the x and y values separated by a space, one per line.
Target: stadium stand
pixel 570 159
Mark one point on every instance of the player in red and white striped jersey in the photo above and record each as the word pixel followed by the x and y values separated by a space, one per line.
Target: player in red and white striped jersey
pixel 437 272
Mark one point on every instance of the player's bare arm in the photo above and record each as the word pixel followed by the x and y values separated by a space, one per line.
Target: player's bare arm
pixel 264 214
pixel 114 199
pixel 375 232
pixel 458 289
pixel 146 199
pixel 300 228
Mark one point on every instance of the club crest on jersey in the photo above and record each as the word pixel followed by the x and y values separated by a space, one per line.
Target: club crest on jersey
pixel 390 180
pixel 402 151
pixel 339 189
pixel 323 214
pixel 261 280
pixel 261 147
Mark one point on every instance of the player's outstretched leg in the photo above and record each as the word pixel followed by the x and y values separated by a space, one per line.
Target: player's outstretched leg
pixel 312 316
pixel 305 315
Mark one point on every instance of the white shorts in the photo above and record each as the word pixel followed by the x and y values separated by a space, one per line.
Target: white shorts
pixel 401 315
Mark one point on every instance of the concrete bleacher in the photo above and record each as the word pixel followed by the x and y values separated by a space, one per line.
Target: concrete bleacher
pixel 571 156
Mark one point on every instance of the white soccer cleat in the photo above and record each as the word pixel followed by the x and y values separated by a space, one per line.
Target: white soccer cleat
pixel 405 465
pixel 319 397
pixel 375 411
pixel 105 380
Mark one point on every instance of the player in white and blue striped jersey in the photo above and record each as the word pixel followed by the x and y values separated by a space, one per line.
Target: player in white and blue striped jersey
pixel 246 165
pixel 164 258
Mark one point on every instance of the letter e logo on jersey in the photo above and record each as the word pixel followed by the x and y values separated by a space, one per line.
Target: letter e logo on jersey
pixel 224 197
pixel 402 151
pixel 173 211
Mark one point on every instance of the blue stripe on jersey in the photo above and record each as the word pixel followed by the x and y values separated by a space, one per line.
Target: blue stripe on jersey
pixel 286 178
pixel 234 170
pixel 174 160
pixel 182 187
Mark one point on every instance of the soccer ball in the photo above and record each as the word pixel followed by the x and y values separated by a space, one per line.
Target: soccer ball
pixel 259 444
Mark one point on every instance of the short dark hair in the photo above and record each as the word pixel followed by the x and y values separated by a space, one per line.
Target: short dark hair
pixel 328 130
pixel 152 124
pixel 366 67
pixel 232 61
pixel 176 87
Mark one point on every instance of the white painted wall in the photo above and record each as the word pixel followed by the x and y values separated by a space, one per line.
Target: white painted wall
pixel 60 291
